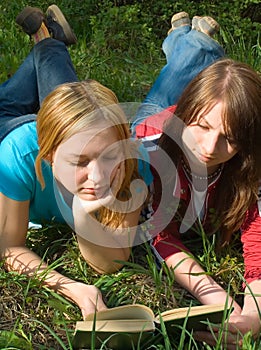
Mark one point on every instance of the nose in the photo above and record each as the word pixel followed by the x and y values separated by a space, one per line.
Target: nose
pixel 211 143
pixel 95 172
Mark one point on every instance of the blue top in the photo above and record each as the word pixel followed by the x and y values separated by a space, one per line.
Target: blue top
pixel 18 151
pixel 18 178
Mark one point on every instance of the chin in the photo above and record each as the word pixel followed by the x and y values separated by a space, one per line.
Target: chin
pixel 87 197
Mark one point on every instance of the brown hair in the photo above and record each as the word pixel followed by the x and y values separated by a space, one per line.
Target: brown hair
pixel 238 87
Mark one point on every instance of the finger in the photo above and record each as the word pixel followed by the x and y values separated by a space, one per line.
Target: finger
pixel 118 179
pixel 91 307
pixel 82 206
pixel 122 172
pixel 88 308
pixel 228 340
pixel 232 328
pixel 100 304
pixel 122 168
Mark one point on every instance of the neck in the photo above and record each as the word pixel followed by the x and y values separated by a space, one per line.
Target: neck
pixel 213 169
pixel 67 196
pixel 199 174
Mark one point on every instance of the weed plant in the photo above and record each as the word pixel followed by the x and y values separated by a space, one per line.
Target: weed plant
pixel 119 44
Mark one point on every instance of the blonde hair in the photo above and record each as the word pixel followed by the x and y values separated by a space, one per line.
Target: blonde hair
pixel 238 87
pixel 70 108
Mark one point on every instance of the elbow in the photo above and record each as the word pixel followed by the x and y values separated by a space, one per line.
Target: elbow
pixel 109 266
pixel 3 252
pixel 105 268
pixel 103 260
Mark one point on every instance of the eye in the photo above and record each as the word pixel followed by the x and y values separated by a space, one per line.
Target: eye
pixel 203 126
pixel 109 157
pixel 82 163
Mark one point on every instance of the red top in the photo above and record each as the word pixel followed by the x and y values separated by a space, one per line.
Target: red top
pixel 168 240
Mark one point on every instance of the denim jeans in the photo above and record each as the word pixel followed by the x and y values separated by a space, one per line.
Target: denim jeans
pixel 187 53
pixel 47 66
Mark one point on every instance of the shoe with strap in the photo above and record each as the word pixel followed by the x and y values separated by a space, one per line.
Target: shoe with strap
pixel 206 25
pixel 179 19
pixel 58 26
pixel 31 19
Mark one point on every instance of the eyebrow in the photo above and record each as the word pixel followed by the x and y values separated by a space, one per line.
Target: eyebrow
pixel 105 151
pixel 205 120
pixel 198 119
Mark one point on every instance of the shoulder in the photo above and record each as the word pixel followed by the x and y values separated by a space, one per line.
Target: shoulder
pixel 20 141
pixel 18 151
pixel 153 125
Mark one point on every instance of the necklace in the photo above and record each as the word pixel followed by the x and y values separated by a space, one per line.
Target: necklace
pixel 209 177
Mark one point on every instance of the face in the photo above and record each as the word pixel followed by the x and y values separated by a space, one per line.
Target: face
pixel 86 165
pixel 207 141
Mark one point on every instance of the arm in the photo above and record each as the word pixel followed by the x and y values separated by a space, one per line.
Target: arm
pixel 101 247
pixel 250 316
pixel 13 230
pixel 190 275
pixel 249 319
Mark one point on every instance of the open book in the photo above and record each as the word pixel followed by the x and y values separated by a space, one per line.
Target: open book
pixel 124 327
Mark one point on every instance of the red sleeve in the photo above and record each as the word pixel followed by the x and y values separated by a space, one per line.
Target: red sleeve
pixel 168 241
pixel 153 125
pixel 251 239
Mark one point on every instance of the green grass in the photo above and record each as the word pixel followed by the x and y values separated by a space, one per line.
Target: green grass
pixel 120 47
pixel 33 317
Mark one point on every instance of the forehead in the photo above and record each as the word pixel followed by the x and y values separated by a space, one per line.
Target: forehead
pixel 213 116
pixel 92 139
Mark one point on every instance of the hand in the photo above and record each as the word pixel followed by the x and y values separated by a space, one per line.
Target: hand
pixel 234 330
pixel 89 207
pixel 88 298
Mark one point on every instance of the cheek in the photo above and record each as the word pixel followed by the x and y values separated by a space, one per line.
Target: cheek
pixel 67 176
pixel 191 138
pixel 231 151
pixel 228 153
pixel 80 175
pixel 232 154
pixel 111 170
pixel 113 173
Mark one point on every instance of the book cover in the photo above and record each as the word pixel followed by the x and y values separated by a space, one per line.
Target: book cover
pixel 126 327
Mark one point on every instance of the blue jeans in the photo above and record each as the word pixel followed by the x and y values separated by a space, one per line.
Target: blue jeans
pixel 47 65
pixel 187 53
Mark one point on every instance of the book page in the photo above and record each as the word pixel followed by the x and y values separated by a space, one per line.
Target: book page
pixel 190 311
pixel 125 312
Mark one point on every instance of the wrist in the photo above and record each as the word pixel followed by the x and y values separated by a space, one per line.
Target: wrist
pixel 62 285
pixel 253 312
pixel 70 289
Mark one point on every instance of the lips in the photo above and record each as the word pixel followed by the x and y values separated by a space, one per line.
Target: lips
pixel 97 192
pixel 205 158
pixel 89 191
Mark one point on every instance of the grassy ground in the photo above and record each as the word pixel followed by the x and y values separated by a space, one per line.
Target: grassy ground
pixel 120 47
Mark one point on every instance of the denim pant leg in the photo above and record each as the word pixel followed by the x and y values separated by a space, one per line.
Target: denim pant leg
pixel 187 52
pixel 46 66
pixel 53 66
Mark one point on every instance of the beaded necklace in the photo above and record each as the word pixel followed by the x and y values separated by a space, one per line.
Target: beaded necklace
pixel 209 177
